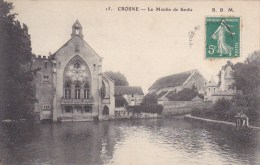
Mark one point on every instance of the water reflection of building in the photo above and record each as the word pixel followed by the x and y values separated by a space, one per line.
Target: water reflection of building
pixel 224 88
pixel 76 143
pixel 70 85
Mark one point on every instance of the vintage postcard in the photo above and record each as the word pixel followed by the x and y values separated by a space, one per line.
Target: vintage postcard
pixel 129 82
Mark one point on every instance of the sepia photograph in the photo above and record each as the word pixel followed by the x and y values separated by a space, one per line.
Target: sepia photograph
pixel 112 82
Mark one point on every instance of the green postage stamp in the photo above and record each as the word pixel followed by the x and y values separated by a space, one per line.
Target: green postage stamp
pixel 222 37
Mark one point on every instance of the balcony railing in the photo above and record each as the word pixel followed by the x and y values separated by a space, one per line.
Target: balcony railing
pixel 76 101
pixel 106 101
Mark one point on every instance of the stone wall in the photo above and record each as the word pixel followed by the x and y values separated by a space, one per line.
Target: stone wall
pixel 182 107
pixel 130 115
pixel 245 134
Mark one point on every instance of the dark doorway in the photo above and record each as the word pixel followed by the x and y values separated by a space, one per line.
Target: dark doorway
pixel 105 110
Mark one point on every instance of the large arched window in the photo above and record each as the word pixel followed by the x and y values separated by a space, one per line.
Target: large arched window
pixel 77 73
pixel 77 91
pixel 67 91
pixel 86 91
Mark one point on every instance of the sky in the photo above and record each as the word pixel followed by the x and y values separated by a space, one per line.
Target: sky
pixel 143 45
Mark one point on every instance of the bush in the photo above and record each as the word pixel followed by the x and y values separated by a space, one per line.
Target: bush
pixel 150 98
pixel 221 107
pixel 207 113
pixel 159 108
pixel 185 95
pixel 120 101
pixel 226 110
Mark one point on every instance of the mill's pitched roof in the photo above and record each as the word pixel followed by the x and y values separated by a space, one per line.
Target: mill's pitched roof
pixel 128 90
pixel 172 80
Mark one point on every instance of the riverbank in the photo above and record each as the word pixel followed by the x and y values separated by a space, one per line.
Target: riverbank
pixel 244 134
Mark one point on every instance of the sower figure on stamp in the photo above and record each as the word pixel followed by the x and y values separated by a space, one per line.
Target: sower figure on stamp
pixel 219 34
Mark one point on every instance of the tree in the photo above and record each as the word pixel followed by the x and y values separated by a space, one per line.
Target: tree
pixel 119 78
pixel 246 77
pixel 150 98
pixel 247 82
pixel 120 101
pixel 221 107
pixel 159 108
pixel 16 73
pixel 253 58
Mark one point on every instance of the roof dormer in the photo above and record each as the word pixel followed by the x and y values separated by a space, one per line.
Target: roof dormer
pixel 77 29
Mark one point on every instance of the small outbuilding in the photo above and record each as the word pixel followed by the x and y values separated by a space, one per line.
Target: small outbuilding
pixel 242 120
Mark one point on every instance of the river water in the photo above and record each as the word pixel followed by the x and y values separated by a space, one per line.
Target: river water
pixel 131 142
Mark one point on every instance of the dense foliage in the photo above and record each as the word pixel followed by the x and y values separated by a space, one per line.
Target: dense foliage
pixel 16 74
pixel 184 95
pixel 247 83
pixel 119 78
pixel 223 109
pixel 149 99
pixel 120 101
pixel 246 77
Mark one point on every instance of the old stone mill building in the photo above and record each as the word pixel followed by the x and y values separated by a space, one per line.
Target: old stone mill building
pixel 70 85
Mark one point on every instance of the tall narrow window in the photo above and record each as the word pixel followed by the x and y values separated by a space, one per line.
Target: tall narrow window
pixel 46 65
pixel 46 79
pixel 86 91
pixel 103 90
pixel 77 91
pixel 67 91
